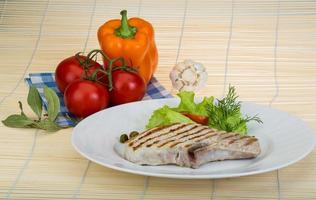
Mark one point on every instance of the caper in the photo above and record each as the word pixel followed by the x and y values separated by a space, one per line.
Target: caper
pixel 133 134
pixel 123 138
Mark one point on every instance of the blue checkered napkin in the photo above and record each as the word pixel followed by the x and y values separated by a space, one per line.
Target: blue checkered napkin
pixel 39 80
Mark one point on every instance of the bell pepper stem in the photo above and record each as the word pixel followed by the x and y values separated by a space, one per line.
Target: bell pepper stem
pixel 125 30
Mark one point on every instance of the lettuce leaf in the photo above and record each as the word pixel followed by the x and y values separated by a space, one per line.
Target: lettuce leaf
pixel 166 116
pixel 188 105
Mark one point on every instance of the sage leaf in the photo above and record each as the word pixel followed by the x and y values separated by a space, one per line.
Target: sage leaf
pixel 35 102
pixel 53 105
pixel 18 121
pixel 21 108
pixel 48 125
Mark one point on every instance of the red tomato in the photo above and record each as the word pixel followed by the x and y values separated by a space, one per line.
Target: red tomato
pixel 197 118
pixel 70 69
pixel 83 97
pixel 127 87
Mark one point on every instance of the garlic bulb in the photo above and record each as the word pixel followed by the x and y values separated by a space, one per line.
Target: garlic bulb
pixel 188 75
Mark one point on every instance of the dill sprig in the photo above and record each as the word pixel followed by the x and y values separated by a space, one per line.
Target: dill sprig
pixel 229 105
pixel 226 114
pixel 254 118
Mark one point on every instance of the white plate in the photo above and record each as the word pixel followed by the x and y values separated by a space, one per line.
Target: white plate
pixel 284 140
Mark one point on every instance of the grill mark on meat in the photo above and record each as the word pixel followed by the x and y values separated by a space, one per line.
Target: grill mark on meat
pixel 176 143
pixel 229 136
pixel 165 143
pixel 185 136
pixel 141 136
pixel 172 130
pixel 200 139
pixel 156 130
pixel 235 140
pixel 195 133
pixel 208 136
pixel 190 139
pixel 251 140
pixel 205 147
pixel 220 133
pixel 198 136
pixel 170 139
pixel 232 141
pixel 149 145
pixel 157 141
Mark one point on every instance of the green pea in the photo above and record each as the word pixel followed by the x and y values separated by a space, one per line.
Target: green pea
pixel 123 138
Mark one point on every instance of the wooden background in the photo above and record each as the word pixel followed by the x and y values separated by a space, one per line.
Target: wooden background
pixel 267 49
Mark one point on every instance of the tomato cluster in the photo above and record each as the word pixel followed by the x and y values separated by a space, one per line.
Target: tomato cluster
pixel 89 87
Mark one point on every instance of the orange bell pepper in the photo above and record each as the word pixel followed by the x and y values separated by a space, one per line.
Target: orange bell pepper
pixel 132 39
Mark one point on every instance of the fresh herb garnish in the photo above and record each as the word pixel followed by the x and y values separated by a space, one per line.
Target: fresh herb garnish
pixel 165 116
pixel 46 121
pixel 226 114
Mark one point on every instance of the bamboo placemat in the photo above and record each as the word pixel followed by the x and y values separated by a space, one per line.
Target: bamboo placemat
pixel 267 49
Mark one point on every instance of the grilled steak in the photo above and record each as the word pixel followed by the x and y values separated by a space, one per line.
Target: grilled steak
pixel 189 145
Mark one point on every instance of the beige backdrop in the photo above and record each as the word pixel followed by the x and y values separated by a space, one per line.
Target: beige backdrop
pixel 267 49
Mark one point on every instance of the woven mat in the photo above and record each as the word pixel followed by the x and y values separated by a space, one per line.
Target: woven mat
pixel 267 49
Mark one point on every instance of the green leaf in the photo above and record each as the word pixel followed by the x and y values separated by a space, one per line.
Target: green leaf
pixel 241 128
pixel 233 121
pixel 21 108
pixel 201 108
pixel 53 106
pixel 226 114
pixel 187 104
pixel 166 116
pixel 48 125
pixel 18 121
pixel 35 102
